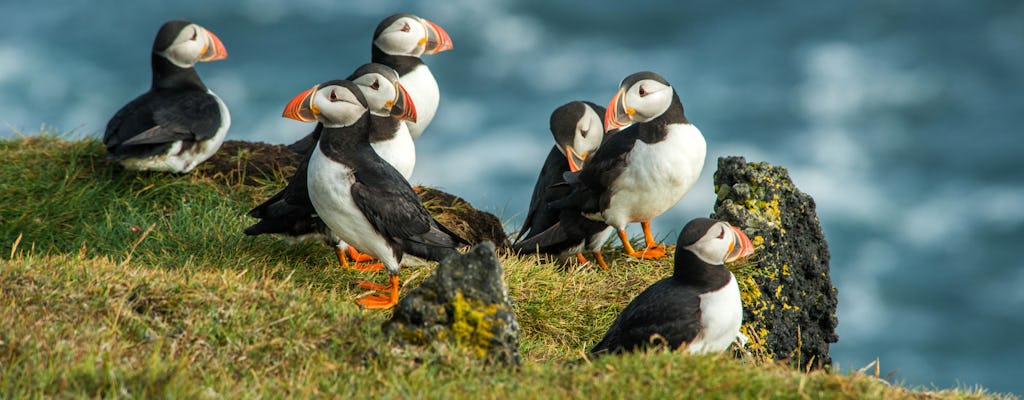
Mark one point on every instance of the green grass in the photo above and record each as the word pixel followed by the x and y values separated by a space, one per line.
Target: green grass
pixel 118 284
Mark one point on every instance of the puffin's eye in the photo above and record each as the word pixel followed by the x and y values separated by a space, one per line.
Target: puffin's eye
pixel 722 234
pixel 375 85
pixel 195 34
pixel 334 97
pixel 642 92
pixel 584 132
pixel 406 27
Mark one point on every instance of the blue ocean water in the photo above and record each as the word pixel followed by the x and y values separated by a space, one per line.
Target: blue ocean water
pixel 902 119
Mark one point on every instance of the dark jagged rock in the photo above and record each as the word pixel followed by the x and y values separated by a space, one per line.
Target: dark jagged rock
pixel 465 301
pixel 790 305
pixel 458 215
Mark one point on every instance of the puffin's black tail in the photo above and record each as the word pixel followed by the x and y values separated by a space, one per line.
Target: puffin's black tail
pixel 436 244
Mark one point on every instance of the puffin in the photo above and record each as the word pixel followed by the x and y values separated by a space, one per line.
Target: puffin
pixel 398 42
pixel 359 196
pixel 698 307
pixel 578 130
pixel 643 169
pixel 290 212
pixel 179 122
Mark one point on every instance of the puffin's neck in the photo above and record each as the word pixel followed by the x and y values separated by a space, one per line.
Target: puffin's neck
pixel 401 64
pixel 166 75
pixel 690 269
pixel 383 128
pixel 338 142
pixel 655 130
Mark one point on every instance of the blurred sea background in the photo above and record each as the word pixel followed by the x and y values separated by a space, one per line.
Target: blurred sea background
pixel 902 119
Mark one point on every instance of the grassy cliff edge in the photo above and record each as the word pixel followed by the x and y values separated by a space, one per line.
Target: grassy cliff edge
pixel 135 284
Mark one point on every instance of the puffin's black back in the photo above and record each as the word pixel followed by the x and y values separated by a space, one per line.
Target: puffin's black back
pixel 668 310
pixel 177 107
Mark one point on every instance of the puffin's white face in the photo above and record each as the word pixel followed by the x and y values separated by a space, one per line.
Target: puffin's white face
pixel 193 44
pixel 587 137
pixel 336 106
pixel 380 92
pixel 647 99
pixel 589 133
pixel 721 243
pixel 406 36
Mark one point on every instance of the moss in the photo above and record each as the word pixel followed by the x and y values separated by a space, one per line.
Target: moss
pixel 472 323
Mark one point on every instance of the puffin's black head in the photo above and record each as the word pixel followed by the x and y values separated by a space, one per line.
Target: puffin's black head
pixel 184 43
pixel 642 96
pixel 334 103
pixel 578 131
pixel 712 241
pixel 384 93
pixel 408 35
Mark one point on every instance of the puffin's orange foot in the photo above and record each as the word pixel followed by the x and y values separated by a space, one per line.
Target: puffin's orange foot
pixel 650 253
pixel 381 301
pixel 373 286
pixel 368 267
pixel 417 189
pixel 376 302
pixel 357 256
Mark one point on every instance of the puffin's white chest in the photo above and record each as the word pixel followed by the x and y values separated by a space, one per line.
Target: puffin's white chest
pixel 422 87
pixel 330 191
pixel 656 176
pixel 720 319
pixel 400 151
pixel 177 160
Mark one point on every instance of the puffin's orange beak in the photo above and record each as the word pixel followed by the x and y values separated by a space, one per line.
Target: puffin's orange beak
pixel 404 109
pixel 741 247
pixel 213 50
pixel 617 115
pixel 301 107
pixel 575 161
pixel 437 39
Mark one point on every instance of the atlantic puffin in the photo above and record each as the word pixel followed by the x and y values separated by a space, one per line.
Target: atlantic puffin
pixel 398 42
pixel 646 167
pixel 290 212
pixel 360 197
pixel 179 122
pixel 698 307
pixel 578 130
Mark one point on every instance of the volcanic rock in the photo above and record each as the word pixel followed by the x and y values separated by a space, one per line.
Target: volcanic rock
pixel 790 305
pixel 466 302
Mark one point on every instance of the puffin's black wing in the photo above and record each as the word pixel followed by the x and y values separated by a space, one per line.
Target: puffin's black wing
pixel 391 206
pixel 389 203
pixel 571 229
pixel 666 308
pixel 540 216
pixel 590 186
pixel 159 118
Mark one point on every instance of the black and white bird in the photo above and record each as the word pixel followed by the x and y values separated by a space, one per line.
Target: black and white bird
pixel 578 131
pixel 360 197
pixel 698 307
pixel 290 212
pixel 179 122
pixel 645 168
pixel 398 42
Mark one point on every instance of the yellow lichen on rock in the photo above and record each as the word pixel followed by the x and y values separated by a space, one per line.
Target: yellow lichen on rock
pixel 471 323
